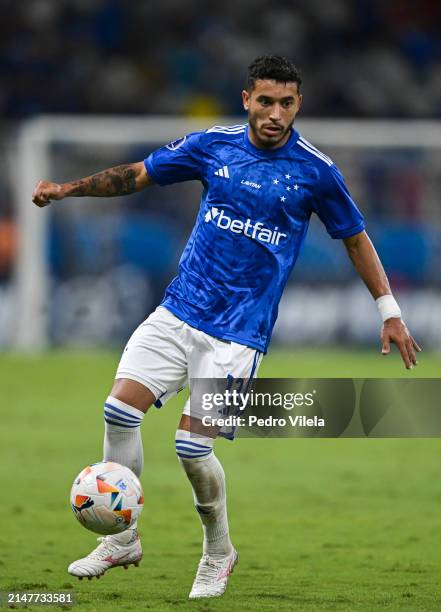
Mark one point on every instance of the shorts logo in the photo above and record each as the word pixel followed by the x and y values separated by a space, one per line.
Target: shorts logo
pixel 176 143
pixel 255 231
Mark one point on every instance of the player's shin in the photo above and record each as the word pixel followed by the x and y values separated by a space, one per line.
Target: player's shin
pixel 207 478
pixel 123 443
pixel 122 437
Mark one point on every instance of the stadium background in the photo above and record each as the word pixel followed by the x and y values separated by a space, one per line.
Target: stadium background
pixel 349 508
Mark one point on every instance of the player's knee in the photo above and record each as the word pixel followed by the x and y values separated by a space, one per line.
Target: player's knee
pixel 132 393
pixel 191 448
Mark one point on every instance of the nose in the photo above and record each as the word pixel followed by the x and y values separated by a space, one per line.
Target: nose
pixel 275 114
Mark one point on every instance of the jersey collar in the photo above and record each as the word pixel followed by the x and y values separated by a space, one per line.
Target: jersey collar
pixel 270 152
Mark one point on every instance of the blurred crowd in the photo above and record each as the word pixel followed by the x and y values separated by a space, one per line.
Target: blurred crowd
pixel 360 58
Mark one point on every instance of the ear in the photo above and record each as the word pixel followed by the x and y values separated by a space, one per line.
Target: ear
pixel 245 99
pixel 300 100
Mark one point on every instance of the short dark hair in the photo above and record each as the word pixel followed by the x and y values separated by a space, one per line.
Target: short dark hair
pixel 274 68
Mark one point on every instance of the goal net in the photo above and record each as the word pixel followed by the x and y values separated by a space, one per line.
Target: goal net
pixel 90 269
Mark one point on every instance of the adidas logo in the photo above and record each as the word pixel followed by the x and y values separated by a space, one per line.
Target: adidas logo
pixel 223 172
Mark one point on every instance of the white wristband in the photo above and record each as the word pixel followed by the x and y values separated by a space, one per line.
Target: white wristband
pixel 388 307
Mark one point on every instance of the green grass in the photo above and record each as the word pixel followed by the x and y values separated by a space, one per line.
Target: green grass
pixel 320 524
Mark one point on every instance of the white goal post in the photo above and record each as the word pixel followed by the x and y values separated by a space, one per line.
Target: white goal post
pixel 36 136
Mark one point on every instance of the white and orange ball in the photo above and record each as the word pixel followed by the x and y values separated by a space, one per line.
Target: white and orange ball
pixel 106 497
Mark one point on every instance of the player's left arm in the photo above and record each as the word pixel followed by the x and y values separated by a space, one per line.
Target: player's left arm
pixel 367 263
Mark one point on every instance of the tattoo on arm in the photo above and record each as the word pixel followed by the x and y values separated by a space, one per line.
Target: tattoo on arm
pixel 120 180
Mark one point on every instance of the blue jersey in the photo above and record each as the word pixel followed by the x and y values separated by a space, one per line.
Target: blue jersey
pixel 253 217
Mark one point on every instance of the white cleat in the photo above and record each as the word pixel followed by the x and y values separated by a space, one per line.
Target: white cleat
pixel 212 576
pixel 110 553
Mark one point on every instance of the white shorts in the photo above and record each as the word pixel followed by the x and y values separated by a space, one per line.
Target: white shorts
pixel 164 353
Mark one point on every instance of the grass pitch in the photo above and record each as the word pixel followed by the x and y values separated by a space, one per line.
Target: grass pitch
pixel 319 524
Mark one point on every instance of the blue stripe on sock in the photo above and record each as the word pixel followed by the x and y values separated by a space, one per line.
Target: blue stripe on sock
pixel 192 453
pixel 120 424
pixel 193 456
pixel 192 443
pixel 117 417
pixel 127 414
pixel 192 448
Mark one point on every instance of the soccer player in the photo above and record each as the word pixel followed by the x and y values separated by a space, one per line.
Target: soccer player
pixel 262 181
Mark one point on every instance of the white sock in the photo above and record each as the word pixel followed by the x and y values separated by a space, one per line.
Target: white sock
pixel 207 479
pixel 123 443
pixel 128 536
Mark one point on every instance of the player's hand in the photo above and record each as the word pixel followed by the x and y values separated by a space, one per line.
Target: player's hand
pixel 394 330
pixel 45 191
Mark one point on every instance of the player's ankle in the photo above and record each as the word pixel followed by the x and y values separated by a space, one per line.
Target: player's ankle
pixel 221 547
pixel 126 537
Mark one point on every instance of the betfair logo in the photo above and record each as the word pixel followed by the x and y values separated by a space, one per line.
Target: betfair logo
pixel 211 214
pixel 249 228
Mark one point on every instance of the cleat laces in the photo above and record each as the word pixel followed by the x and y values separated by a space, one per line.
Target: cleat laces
pixel 105 549
pixel 208 570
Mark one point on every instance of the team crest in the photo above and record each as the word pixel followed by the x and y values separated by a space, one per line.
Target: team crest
pixel 176 143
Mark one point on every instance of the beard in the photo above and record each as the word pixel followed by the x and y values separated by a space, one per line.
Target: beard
pixel 269 142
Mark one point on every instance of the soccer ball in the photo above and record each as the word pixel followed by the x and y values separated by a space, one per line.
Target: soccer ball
pixel 106 497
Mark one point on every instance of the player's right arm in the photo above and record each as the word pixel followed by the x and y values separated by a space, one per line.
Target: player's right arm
pixel 117 181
